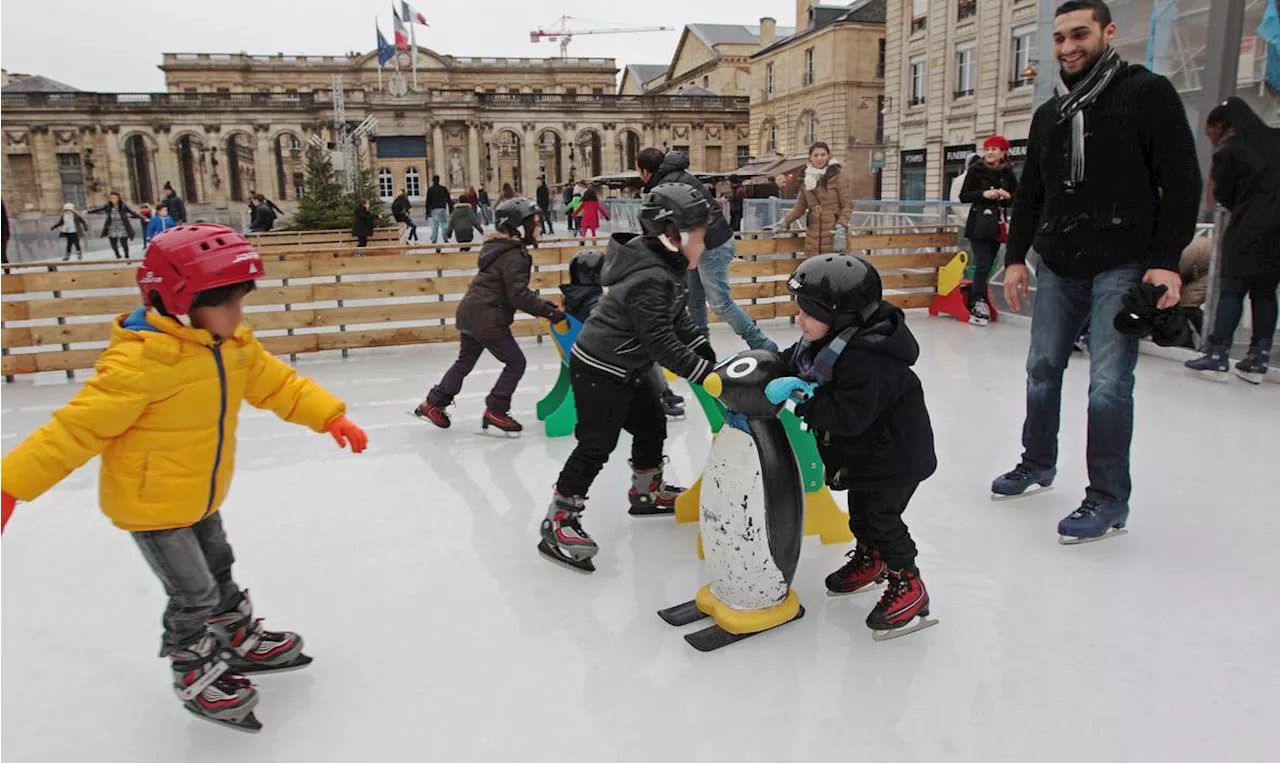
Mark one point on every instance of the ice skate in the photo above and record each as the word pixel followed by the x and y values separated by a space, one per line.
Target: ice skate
pixel 650 495
pixel 672 405
pixel 433 413
pixel 1212 365
pixel 903 608
pixel 501 421
pixel 210 689
pixel 980 313
pixel 563 539
pixel 1023 481
pixel 1094 520
pixel 1254 366
pixel 864 570
pixel 251 648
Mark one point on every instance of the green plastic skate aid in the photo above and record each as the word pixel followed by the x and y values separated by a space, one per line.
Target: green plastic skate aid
pixel 550 403
pixel 805 446
pixel 711 406
pixel 562 421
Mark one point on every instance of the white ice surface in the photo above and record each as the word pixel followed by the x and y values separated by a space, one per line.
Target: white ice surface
pixel 441 635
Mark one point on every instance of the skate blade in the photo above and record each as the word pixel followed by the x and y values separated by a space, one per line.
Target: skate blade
pixel 253 669
pixel 1070 540
pixel 249 724
pixel 682 614
pixel 583 566
pixel 1035 490
pixel 917 624
pixel 1252 378
pixel 651 511
pixel 978 321
pixel 876 586
pixel 1214 376
pixel 498 434
pixel 715 637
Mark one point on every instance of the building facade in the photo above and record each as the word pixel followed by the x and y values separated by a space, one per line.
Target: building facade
pixel 231 124
pixel 823 83
pixel 956 72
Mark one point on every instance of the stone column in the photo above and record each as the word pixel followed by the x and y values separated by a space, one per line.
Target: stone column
pixel 264 164
pixel 112 168
pixel 473 155
pixel 437 165
pixel 528 160
pixel 609 149
pixel 46 163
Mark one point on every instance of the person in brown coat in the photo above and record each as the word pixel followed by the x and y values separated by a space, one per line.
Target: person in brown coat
pixel 486 313
pixel 827 195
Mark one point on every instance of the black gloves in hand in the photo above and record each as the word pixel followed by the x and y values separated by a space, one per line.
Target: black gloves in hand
pixel 557 316
pixel 1141 317
pixel 706 352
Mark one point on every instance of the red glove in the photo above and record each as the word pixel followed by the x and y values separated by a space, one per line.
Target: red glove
pixel 6 510
pixel 345 431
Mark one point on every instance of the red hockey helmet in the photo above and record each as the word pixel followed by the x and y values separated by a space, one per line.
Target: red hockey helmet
pixel 189 259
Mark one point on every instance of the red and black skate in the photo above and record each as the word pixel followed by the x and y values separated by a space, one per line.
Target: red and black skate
pixel 433 413
pixel 864 569
pixel 650 495
pixel 904 607
pixel 501 421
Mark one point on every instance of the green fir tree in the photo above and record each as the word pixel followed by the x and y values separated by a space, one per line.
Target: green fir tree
pixel 324 205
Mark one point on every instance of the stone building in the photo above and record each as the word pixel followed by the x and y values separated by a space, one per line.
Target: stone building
pixel 228 124
pixel 956 72
pixel 711 59
pixel 823 82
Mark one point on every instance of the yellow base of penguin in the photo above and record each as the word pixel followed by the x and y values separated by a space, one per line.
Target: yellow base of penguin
pixel 738 622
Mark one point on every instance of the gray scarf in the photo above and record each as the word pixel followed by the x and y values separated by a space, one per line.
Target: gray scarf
pixel 1072 101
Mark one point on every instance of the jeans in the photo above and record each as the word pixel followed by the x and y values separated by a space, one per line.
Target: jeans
pixel 194 566
pixel 506 350
pixel 547 227
pixel 439 224
pixel 487 212
pixel 1061 307
pixel 710 283
pixel 1262 295
pixel 606 406
pixel 984 257
pixel 875 517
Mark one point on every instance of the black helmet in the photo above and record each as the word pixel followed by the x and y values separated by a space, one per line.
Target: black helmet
pixel 514 216
pixel 837 289
pixel 677 204
pixel 585 267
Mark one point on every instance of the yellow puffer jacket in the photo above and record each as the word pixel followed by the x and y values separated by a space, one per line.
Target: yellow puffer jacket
pixel 162 411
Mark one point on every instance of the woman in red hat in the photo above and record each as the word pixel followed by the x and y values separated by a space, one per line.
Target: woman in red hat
pixel 988 187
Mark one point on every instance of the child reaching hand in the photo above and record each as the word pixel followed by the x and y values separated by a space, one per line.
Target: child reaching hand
pixel 161 410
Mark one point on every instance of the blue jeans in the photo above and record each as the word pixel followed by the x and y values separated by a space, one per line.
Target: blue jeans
pixel 710 283
pixel 1061 307
pixel 439 223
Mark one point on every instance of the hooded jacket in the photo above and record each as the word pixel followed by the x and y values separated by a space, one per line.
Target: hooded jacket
pixel 462 224
pixel 675 169
pixel 644 317
pixel 124 213
pixel 581 299
pixel 871 419
pixel 501 287
pixel 161 410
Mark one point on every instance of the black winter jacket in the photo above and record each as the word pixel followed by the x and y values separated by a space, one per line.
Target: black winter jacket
pixel 1141 190
pixel 675 169
pixel 438 198
pixel 644 317
pixel 400 207
pixel 263 219
pixel 984 214
pixel 581 300
pixel 125 213
pixel 463 223
pixel 501 287
pixel 871 419
pixel 177 208
pixel 1246 180
pixel 363 221
pixel 544 196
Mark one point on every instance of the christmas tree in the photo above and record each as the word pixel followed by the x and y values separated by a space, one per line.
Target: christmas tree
pixel 324 205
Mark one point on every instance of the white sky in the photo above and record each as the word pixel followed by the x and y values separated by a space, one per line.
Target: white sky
pixel 115 46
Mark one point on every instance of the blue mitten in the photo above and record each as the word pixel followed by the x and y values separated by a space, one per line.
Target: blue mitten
pixel 789 388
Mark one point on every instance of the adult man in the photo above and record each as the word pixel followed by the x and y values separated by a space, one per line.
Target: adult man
pixel 1108 198
pixel 174 203
pixel 709 282
pixel 544 204
pixel 401 209
pixel 439 205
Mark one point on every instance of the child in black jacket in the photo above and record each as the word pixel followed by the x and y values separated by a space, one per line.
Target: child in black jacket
pixel 642 320
pixel 866 408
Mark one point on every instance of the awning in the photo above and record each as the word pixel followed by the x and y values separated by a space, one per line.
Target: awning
pixel 778 165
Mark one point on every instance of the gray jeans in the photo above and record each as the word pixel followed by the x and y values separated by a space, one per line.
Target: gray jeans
pixel 194 565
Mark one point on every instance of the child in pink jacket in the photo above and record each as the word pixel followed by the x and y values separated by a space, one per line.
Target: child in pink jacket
pixel 589 213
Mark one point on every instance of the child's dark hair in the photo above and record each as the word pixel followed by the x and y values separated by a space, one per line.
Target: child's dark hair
pixel 223 294
pixel 590 195
pixel 650 159
pixel 1101 11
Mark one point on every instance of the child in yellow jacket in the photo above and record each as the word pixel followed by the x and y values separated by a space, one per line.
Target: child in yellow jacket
pixel 162 410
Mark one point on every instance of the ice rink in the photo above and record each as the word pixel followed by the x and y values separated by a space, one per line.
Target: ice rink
pixel 440 634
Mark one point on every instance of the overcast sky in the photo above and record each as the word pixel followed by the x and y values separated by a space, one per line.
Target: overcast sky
pixel 116 46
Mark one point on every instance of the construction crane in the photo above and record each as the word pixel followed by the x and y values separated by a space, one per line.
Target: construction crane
pixel 561 31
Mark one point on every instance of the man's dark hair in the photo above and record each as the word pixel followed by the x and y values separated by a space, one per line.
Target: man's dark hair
pixel 650 159
pixel 1101 11
pixel 435 180
pixel 223 294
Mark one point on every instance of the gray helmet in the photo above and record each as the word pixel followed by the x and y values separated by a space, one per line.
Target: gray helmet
pixel 674 204
pixel 512 215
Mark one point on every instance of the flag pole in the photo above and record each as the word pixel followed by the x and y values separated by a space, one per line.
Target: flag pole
pixel 413 35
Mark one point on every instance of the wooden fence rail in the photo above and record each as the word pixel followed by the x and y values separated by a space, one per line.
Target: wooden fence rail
pixel 57 317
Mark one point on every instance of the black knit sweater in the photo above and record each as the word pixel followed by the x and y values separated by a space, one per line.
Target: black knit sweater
pixel 1141 190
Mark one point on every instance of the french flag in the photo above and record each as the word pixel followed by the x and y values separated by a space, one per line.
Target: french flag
pixel 401 34
pixel 411 15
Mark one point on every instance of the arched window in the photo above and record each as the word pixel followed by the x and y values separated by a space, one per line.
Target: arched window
pixel 412 182
pixel 386 188
pixel 772 145
pixel 811 129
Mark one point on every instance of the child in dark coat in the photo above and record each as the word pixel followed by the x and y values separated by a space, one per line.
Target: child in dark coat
pixel 486 313
pixel 866 408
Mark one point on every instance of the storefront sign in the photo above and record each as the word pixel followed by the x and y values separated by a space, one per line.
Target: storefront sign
pixel 1017 150
pixel 915 159
pixel 958 155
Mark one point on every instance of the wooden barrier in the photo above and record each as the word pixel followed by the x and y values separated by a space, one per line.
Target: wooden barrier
pixel 303 240
pixel 57 316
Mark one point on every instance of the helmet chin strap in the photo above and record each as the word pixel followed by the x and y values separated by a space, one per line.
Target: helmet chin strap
pixel 671 245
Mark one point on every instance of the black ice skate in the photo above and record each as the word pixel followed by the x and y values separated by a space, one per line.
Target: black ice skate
pixel 563 539
pixel 250 648
pixel 1254 366
pixel 650 495
pixel 672 404
pixel 210 689
pixel 501 421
